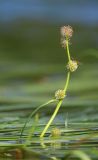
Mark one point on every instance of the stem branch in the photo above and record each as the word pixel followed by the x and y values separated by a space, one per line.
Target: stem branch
pixel 33 113
pixel 51 119
pixel 57 108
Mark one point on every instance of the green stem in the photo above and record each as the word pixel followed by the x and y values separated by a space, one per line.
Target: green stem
pixel 32 129
pixel 60 102
pixel 67 46
pixel 57 108
pixel 67 82
pixel 33 112
pixel 51 119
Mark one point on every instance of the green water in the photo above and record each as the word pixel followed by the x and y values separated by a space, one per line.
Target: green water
pixel 77 118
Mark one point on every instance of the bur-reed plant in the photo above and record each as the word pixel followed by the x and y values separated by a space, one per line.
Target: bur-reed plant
pixel 72 65
pixel 60 94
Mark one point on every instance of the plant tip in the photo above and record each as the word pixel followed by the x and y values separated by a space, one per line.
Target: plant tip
pixel 66 31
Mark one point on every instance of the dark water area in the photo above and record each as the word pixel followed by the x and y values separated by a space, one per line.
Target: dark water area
pixel 33 67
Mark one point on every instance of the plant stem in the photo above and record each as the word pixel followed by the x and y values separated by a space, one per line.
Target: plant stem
pixel 51 119
pixel 32 129
pixel 67 82
pixel 57 108
pixel 67 45
pixel 65 89
pixel 33 113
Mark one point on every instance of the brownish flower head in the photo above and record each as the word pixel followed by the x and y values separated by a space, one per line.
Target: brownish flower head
pixel 63 42
pixel 66 31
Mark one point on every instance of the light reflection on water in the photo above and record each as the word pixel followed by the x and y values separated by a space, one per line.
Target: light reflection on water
pixel 77 136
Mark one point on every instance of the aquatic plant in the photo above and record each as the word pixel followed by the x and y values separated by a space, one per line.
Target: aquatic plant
pixel 60 94
pixel 72 65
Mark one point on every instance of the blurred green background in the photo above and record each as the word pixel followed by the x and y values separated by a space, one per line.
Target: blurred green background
pixel 32 61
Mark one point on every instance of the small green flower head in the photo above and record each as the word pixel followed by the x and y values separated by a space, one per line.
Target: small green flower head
pixel 60 94
pixel 66 31
pixel 56 132
pixel 72 65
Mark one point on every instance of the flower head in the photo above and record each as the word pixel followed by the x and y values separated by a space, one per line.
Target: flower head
pixel 63 43
pixel 56 132
pixel 60 94
pixel 72 65
pixel 66 31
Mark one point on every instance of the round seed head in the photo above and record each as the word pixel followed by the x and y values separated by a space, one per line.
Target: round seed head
pixel 55 132
pixel 60 94
pixel 72 65
pixel 63 43
pixel 66 31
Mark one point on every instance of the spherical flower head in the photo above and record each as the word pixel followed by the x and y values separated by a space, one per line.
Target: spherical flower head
pixel 63 43
pixel 60 94
pixel 66 31
pixel 56 132
pixel 72 65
